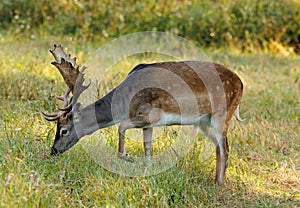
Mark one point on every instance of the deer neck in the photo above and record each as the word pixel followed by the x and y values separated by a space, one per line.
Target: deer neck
pixel 98 115
pixel 103 111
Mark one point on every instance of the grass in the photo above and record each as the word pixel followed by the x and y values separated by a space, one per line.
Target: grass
pixel 264 166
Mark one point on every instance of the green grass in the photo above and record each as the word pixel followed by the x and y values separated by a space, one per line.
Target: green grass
pixel 264 166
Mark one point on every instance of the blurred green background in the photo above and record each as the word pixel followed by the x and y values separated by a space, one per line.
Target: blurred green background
pixel 249 25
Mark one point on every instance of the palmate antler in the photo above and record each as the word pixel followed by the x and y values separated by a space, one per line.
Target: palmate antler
pixel 73 77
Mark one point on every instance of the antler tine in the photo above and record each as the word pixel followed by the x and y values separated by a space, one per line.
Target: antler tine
pixel 52 117
pixel 80 90
pixel 55 116
pixel 64 97
pixel 67 106
pixel 79 87
pixel 58 53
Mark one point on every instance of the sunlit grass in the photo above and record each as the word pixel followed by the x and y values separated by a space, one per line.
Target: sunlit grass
pixel 264 165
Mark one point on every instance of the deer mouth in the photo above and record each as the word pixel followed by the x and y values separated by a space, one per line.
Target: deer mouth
pixel 55 151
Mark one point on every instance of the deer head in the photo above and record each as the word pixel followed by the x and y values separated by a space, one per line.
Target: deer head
pixel 66 135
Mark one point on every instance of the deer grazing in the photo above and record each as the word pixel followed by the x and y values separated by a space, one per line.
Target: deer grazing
pixel 203 94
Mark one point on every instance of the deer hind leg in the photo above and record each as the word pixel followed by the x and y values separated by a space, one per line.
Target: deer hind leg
pixel 214 133
pixel 222 159
pixel 222 150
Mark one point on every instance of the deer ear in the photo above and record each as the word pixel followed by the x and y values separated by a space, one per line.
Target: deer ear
pixel 77 111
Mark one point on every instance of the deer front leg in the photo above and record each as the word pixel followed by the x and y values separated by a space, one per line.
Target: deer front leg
pixel 127 124
pixel 147 134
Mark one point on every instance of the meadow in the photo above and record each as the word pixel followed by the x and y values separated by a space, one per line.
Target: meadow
pixel 264 164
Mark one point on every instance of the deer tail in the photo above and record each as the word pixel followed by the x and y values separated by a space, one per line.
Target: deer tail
pixel 237 114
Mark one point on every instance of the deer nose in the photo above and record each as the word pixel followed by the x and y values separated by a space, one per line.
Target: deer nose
pixel 53 151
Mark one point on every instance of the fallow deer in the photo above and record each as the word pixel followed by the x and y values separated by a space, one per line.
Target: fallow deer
pixel 151 95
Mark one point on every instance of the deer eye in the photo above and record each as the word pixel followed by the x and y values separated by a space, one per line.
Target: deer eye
pixel 64 132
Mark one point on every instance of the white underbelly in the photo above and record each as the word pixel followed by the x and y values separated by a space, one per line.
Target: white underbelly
pixel 176 119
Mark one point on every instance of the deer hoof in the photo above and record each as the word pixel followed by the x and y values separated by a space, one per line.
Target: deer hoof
pixel 126 157
pixel 147 162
